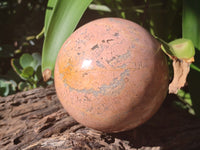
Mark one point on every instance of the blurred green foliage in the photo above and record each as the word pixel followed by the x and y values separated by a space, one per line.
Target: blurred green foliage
pixel 191 29
pixel 161 18
pixel 28 68
pixel 7 87
pixel 20 22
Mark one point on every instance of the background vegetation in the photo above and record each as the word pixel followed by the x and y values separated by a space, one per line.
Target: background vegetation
pixel 21 43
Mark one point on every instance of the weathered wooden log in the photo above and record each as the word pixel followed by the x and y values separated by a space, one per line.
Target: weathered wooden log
pixel 36 120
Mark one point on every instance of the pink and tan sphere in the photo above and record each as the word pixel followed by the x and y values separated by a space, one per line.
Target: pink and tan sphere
pixel 111 75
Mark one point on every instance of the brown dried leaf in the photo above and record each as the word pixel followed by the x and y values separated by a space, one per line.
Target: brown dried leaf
pixel 181 70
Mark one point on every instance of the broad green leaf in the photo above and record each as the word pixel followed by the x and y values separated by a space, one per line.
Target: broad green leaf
pixel 191 21
pixel 191 30
pixel 63 21
pixel 27 72
pixel 49 11
pixel 36 61
pixel 25 60
pixel 180 48
pixel 183 48
pixel 48 14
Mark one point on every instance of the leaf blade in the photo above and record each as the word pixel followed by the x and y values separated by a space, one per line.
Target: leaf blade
pixel 191 30
pixel 191 21
pixel 63 22
pixel 25 60
pixel 48 15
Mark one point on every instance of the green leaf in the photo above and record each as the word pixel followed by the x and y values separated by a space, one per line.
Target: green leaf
pixel 25 60
pixel 4 88
pixel 36 61
pixel 7 87
pixel 27 72
pixel 180 48
pixel 193 66
pixel 185 97
pixel 191 21
pixel 191 30
pixel 194 86
pixel 13 85
pixel 183 48
pixel 16 66
pixel 24 86
pixel 65 17
pixel 49 11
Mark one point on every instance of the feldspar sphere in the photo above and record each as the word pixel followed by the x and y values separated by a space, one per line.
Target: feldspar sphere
pixel 111 75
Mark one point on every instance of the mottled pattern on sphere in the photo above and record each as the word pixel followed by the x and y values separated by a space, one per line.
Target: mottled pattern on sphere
pixel 111 75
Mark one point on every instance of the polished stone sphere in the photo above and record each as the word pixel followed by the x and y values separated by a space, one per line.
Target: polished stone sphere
pixel 111 75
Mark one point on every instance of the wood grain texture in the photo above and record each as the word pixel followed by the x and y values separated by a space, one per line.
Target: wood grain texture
pixel 35 120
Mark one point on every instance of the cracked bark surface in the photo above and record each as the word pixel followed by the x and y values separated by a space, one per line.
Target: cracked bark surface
pixel 36 120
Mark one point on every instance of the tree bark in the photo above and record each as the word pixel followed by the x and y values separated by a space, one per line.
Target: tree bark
pixel 36 120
